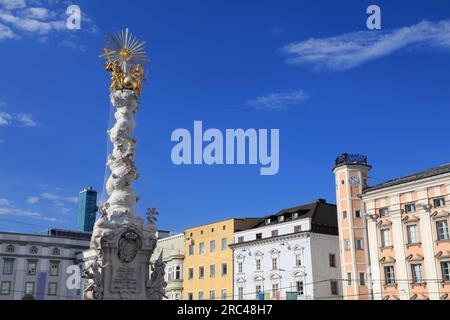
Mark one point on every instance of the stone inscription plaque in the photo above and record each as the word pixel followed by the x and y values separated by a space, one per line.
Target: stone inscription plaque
pixel 125 279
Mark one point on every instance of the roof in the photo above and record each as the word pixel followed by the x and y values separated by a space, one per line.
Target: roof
pixel 323 216
pixel 412 177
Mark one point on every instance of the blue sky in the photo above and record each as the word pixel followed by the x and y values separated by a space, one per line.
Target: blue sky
pixel 308 68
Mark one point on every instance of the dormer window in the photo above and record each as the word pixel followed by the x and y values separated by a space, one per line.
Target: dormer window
pixel 268 221
pixel 280 218
pixel 294 215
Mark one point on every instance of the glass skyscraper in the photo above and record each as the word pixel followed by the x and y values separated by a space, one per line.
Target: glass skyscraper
pixel 87 210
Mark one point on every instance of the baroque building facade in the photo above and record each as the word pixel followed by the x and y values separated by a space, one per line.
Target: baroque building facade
pixel 394 236
pixel 292 255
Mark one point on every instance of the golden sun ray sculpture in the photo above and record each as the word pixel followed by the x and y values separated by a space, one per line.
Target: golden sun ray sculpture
pixel 125 55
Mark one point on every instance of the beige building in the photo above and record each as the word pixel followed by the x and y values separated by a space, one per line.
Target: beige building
pixel 172 249
pixel 208 264
pixel 394 237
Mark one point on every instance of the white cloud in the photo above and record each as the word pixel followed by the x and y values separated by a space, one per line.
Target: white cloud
pixel 58 199
pixel 66 210
pixel 349 50
pixel 26 120
pixel 6 32
pixel 27 214
pixel 278 101
pixel 5 119
pixel 13 4
pixel 37 13
pixel 33 200
pixel 32 25
pixel 4 202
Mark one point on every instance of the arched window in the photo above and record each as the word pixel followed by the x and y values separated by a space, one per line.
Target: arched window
pixel 34 250
pixel 10 249
pixel 55 252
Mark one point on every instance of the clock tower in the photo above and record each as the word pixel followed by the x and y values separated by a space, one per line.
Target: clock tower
pixel 352 173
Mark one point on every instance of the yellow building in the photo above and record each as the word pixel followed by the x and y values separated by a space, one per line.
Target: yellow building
pixel 208 263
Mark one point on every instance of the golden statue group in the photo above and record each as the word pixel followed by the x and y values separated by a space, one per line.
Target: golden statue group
pixel 118 263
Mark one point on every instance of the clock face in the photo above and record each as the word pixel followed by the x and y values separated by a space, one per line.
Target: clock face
pixel 355 181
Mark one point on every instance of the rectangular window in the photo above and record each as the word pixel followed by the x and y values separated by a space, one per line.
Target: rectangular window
pixel 349 278
pixel 54 268
pixel 240 267
pixel 274 264
pixel 275 288
pixel 359 244
pixel 384 212
pixel 191 249
pixel 212 246
pixel 224 269
pixel 8 266
pixel 332 259
pixel 224 244
pixel 200 295
pixel 386 238
pixel 439 202
pixel 177 273
pixel 212 295
pixel 347 244
pixel 191 273
pixel 258 264
pixel 413 233
pixel 31 270
pixel 201 272
pixel 297 229
pixel 170 274
pixel 258 290
pixel 201 248
pixel 212 271
pixel 389 275
pixel 6 288
pixel 224 294
pixel 334 287
pixel 300 288
pixel 274 233
pixel 442 230
pixel 417 273
pixel 358 213
pixel 240 239
pixel 29 288
pixel 52 287
pixel 362 279
pixel 344 214
pixel 240 293
pixel 258 236
pixel 410 207
pixel 445 266
pixel 190 296
pixel 298 260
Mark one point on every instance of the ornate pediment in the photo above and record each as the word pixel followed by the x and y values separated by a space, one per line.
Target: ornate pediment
pixel 414 257
pixel 259 254
pixel 437 214
pixel 387 260
pixel 410 218
pixel 384 223
pixel 298 248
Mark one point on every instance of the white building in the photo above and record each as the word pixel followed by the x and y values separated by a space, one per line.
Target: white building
pixel 35 265
pixel 172 249
pixel 293 255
